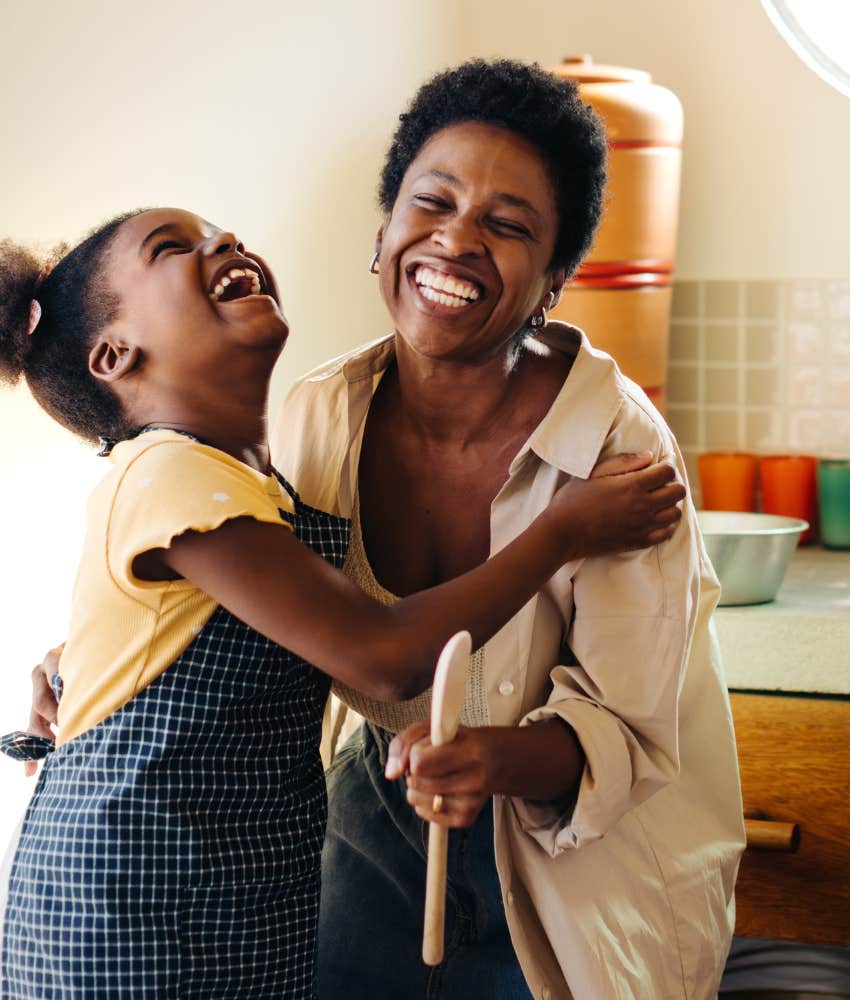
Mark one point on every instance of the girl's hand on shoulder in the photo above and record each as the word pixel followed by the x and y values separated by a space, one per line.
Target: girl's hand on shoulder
pixel 459 771
pixel 628 502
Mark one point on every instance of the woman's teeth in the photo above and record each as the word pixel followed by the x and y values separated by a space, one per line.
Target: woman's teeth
pixel 233 275
pixel 445 289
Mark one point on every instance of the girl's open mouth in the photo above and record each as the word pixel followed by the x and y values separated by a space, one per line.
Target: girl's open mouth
pixel 236 282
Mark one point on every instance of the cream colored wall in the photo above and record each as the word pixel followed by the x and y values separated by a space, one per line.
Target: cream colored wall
pixel 271 117
pixel 767 143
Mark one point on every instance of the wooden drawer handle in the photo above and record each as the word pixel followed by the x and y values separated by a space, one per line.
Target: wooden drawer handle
pixel 770 835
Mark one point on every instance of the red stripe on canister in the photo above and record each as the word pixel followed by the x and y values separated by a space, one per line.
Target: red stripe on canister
pixel 621 281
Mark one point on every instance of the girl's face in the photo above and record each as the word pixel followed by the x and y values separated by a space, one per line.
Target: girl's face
pixel 465 254
pixel 192 298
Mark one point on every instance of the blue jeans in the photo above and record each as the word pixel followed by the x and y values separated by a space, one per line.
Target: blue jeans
pixel 373 894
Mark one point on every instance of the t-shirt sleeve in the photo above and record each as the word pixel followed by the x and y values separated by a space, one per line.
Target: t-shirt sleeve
pixel 174 487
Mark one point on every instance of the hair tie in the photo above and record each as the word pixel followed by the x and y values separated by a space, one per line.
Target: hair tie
pixel 35 316
pixel 35 305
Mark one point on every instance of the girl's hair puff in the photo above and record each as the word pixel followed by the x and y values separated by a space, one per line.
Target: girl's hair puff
pixel 76 303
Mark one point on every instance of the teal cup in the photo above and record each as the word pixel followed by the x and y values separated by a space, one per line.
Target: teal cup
pixel 834 502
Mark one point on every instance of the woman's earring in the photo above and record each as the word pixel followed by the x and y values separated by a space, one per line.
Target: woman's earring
pixel 538 319
pixel 373 264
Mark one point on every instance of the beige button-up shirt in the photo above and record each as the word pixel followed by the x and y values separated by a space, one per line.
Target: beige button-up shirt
pixel 628 892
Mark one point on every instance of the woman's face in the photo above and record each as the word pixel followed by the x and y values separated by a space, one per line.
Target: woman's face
pixel 465 253
pixel 191 297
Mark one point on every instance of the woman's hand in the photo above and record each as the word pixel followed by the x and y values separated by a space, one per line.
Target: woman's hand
pixel 458 771
pixel 627 503
pixel 44 704
pixel 542 762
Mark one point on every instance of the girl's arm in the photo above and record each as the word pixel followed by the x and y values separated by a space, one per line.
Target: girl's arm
pixel 271 581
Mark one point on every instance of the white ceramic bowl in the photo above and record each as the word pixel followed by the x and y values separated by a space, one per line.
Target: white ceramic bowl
pixel 750 552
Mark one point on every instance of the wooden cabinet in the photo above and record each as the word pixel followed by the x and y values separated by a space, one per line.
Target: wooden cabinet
pixel 794 758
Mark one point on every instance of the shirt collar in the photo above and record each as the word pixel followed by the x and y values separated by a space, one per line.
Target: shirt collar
pixel 586 404
pixel 571 435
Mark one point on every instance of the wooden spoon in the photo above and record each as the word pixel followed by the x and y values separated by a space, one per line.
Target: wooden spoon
pixel 446 703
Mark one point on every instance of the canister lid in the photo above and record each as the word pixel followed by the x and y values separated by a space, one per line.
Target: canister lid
pixel 585 70
pixel 636 111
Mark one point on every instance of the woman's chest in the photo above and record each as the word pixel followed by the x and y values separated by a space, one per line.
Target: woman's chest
pixel 425 518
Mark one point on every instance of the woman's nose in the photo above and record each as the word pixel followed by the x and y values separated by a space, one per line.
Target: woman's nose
pixel 223 243
pixel 459 236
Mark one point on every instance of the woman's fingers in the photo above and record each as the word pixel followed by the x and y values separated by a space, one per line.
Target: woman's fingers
pixel 398 752
pixel 44 703
pixel 455 810
pixel 618 464
pixel 44 707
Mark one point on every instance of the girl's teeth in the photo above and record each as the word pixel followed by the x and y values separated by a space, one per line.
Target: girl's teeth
pixel 234 274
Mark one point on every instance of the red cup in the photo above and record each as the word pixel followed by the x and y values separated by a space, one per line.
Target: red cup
pixel 727 480
pixel 789 487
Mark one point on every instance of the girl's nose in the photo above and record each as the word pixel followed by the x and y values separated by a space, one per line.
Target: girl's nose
pixel 223 243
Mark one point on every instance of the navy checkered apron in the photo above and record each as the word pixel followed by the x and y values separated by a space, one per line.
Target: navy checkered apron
pixel 173 850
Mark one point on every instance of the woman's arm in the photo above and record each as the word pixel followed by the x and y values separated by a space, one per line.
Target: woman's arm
pixel 272 582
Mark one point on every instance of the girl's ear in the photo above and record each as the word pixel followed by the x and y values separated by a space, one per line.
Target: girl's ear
pixel 111 359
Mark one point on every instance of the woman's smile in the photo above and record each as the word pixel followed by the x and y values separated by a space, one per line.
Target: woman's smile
pixel 445 288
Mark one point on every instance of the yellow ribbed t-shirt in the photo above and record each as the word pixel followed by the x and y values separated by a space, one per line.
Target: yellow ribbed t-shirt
pixel 125 631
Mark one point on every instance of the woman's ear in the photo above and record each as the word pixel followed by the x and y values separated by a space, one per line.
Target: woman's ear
pixel 559 279
pixel 374 266
pixel 110 359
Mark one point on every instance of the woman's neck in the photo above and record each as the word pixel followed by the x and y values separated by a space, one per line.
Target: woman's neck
pixel 456 402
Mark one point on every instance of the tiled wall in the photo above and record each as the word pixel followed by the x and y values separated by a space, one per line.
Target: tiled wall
pixel 760 366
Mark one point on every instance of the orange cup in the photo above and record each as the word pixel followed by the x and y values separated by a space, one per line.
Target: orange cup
pixel 789 487
pixel 727 480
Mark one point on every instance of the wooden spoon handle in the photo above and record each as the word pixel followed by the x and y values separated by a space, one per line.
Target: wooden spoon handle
pixel 435 895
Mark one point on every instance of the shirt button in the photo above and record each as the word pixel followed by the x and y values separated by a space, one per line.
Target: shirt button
pixel 506 688
pixel 510 899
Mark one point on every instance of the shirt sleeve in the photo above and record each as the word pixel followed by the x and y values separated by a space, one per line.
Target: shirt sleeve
pixel 630 637
pixel 173 487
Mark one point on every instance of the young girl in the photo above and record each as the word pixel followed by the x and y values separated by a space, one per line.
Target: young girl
pixel 172 846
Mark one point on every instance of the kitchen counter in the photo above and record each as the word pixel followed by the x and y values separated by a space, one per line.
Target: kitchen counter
pixel 801 641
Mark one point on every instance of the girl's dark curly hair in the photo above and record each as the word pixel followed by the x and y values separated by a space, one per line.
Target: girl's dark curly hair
pixel 547 112
pixel 76 303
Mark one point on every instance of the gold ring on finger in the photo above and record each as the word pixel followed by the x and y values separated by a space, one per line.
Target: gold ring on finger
pixel 437 803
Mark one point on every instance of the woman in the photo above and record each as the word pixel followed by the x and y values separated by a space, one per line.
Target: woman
pixel 595 782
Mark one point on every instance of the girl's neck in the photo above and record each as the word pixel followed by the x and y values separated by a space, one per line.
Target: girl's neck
pixel 244 435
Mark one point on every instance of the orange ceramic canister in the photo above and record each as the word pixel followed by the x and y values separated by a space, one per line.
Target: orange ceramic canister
pixel 621 294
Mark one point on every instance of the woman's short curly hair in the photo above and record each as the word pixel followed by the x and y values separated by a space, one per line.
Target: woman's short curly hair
pixel 546 111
